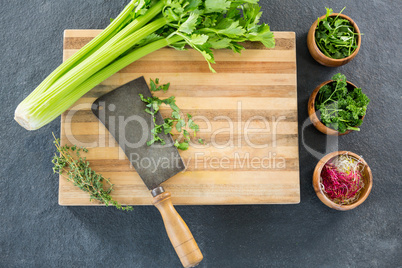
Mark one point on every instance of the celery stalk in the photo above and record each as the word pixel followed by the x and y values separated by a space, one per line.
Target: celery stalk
pixel 85 51
pixel 54 110
pixel 32 112
pixel 204 25
pixel 93 64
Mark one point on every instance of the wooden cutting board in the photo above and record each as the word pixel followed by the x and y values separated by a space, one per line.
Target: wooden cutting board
pixel 247 113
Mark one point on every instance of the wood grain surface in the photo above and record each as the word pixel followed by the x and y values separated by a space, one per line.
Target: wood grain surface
pixel 247 113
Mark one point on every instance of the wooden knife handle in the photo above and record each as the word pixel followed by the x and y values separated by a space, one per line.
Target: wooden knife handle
pixel 178 232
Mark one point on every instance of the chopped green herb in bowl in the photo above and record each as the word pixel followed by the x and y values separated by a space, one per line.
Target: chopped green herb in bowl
pixel 341 106
pixel 334 39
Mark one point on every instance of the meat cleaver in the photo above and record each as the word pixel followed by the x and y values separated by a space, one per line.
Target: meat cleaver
pixel 123 114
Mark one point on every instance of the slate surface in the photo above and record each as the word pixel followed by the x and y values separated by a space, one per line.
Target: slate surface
pixel 36 232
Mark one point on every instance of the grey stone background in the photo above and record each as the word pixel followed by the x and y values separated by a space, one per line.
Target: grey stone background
pixel 36 232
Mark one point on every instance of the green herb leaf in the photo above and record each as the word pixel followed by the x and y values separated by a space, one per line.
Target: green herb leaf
pixel 156 87
pixel 335 37
pixel 180 124
pixel 189 25
pixel 218 43
pixel 219 6
pixel 153 106
pixel 341 108
pixel 69 164
pixel 153 86
pixel 181 145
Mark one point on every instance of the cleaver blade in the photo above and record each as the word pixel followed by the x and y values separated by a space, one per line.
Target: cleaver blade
pixel 123 113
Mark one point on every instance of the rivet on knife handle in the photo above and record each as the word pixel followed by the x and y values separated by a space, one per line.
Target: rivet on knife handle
pixel 179 234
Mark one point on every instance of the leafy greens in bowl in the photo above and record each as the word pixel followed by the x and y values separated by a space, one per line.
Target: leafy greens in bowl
pixel 335 36
pixel 341 105
pixel 334 39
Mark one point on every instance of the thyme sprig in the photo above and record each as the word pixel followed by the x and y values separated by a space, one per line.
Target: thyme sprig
pixel 75 168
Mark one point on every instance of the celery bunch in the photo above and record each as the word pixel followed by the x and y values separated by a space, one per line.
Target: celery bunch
pixel 142 27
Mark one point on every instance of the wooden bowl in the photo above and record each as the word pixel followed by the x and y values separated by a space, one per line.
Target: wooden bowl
pixel 313 115
pixel 321 57
pixel 367 177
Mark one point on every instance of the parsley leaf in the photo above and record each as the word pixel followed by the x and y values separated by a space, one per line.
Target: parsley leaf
pixel 182 145
pixel 175 121
pixel 189 25
pixel 341 107
pixel 156 87
pixel 219 6
pixel 215 24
